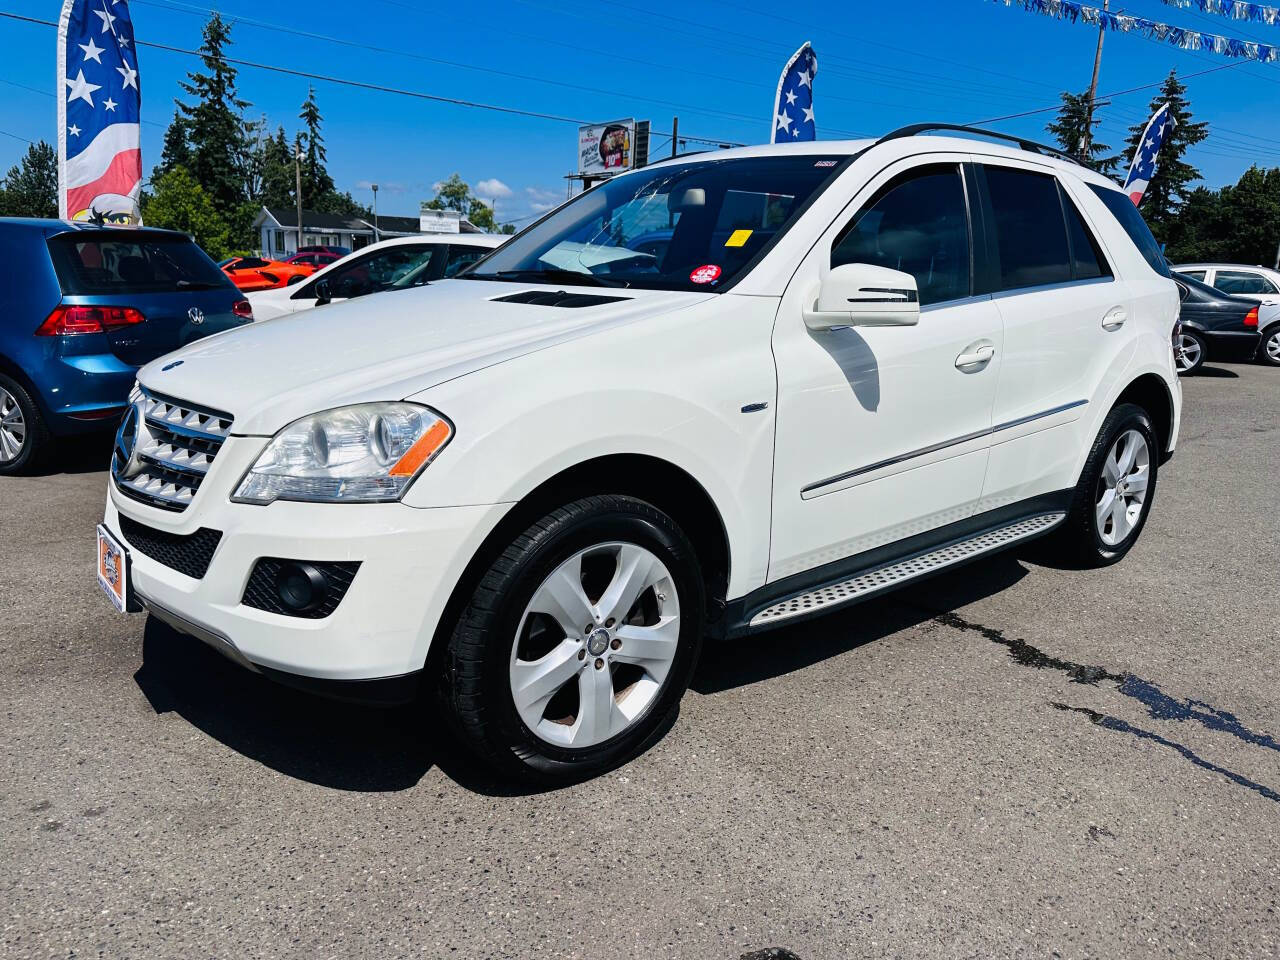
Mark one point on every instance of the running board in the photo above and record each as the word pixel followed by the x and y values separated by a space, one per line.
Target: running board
pixel 894 574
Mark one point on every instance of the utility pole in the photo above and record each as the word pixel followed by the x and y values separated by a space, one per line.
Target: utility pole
pixel 675 133
pixel 1086 142
pixel 375 213
pixel 297 175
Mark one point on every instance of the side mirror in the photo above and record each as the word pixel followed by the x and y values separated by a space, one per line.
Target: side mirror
pixel 864 295
pixel 324 292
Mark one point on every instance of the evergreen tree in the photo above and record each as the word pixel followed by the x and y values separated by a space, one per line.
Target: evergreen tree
pixel 30 188
pixel 1069 130
pixel 277 180
pixel 1170 185
pixel 316 182
pixel 217 136
pixel 176 151
pixel 1238 224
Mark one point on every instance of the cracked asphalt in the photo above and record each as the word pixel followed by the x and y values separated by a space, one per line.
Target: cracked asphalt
pixel 1008 761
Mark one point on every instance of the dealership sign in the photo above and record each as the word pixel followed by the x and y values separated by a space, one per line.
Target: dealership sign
pixel 438 221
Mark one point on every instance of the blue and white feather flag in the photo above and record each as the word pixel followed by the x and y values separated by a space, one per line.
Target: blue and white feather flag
pixel 793 106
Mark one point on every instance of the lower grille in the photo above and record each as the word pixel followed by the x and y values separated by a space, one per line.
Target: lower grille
pixel 189 554
pixel 262 591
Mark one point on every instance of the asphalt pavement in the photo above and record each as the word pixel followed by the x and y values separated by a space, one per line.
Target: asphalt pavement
pixel 1008 761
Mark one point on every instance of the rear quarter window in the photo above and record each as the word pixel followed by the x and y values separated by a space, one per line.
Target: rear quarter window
pixel 92 263
pixel 1131 221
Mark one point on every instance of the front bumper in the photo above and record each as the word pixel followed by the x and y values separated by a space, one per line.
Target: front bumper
pixel 410 561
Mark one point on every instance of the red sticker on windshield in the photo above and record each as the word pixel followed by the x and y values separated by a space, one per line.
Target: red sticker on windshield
pixel 707 273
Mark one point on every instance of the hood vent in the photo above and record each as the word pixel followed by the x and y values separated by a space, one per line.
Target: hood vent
pixel 558 298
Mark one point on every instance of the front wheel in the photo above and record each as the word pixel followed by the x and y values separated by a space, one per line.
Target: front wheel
pixel 1269 349
pixel 1115 492
pixel 578 641
pixel 1190 351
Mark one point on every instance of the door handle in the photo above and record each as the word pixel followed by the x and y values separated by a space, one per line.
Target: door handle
pixel 1114 318
pixel 981 355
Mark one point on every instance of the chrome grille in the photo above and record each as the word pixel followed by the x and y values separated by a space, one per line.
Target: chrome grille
pixel 164 449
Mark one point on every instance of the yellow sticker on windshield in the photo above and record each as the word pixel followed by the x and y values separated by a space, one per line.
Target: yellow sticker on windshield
pixel 738 238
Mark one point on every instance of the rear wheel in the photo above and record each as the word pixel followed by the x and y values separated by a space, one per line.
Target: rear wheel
pixel 1190 352
pixel 1269 349
pixel 577 642
pixel 23 437
pixel 1115 492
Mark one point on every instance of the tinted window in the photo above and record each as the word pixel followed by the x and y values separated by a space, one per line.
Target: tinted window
pixel 1031 236
pixel 460 256
pixel 1087 261
pixel 1235 281
pixel 1122 209
pixel 122 262
pixel 691 225
pixel 917 224
pixel 1193 274
pixel 376 271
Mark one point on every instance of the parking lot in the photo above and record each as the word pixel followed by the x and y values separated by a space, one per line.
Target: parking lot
pixel 1011 760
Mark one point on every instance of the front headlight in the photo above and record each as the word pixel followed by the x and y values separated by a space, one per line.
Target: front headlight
pixel 365 453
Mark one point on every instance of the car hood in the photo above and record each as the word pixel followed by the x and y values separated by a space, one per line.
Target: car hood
pixel 387 346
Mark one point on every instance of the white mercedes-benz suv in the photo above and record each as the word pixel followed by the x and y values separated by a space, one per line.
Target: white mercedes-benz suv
pixel 709 397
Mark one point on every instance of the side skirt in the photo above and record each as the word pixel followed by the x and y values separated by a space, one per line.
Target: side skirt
pixel 873 572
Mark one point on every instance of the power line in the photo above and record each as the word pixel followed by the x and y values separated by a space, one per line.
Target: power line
pixel 358 84
pixel 16 137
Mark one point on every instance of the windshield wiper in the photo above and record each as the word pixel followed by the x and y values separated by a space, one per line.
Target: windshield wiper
pixel 551 276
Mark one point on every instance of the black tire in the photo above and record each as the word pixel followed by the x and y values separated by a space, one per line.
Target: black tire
pixel 475 682
pixel 36 440
pixel 1078 541
pixel 1270 359
pixel 1201 356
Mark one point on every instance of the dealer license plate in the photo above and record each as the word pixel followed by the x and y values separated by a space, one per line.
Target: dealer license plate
pixel 113 569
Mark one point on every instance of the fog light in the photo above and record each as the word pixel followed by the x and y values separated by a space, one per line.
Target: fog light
pixel 301 587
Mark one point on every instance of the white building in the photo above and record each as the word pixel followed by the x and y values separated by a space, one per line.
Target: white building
pixel 278 230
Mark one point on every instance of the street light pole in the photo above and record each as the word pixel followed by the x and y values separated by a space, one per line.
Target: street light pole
pixel 375 212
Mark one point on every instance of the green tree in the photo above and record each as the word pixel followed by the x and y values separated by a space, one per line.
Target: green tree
pixel 1239 223
pixel 316 182
pixel 276 180
pixel 31 187
pixel 180 203
pixel 176 150
pixel 1068 128
pixel 455 194
pixel 217 136
pixel 1173 177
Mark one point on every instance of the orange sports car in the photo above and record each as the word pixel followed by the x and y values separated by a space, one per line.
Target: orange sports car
pixel 254 273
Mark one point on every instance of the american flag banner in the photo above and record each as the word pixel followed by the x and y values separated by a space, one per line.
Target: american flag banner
pixel 1143 167
pixel 793 106
pixel 99 152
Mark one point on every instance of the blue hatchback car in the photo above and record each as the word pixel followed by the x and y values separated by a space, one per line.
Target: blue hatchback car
pixel 86 306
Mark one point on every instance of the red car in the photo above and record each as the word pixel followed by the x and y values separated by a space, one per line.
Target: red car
pixel 254 273
pixel 314 258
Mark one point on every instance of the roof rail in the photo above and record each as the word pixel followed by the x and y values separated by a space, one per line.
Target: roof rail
pixel 915 129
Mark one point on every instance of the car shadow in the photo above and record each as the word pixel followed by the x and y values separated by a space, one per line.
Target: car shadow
pixel 88 453
pixel 352 747
pixel 1216 372
pixel 774 653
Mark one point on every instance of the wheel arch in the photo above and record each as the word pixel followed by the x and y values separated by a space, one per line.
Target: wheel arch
pixel 656 481
pixel 1150 392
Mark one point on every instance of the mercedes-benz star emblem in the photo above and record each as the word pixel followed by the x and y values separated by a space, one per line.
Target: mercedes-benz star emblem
pixel 196 315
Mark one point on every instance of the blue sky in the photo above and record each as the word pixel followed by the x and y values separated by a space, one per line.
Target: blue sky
pixel 714 64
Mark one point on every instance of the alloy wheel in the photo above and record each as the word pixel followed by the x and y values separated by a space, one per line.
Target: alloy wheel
pixel 13 427
pixel 1188 353
pixel 595 644
pixel 1272 347
pixel 1122 488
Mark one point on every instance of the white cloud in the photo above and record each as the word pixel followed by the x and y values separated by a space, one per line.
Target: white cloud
pixel 491 188
pixel 384 186
pixel 540 201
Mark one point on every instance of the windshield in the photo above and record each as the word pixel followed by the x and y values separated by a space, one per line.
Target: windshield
pixel 678 226
pixel 117 261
